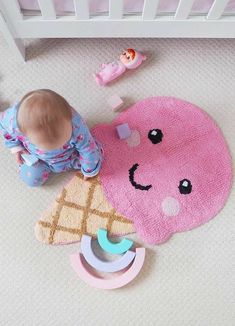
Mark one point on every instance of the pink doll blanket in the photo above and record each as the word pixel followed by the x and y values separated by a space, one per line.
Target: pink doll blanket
pixel 173 174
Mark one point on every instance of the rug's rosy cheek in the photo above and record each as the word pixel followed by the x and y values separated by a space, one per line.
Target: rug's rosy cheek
pixel 170 206
pixel 134 139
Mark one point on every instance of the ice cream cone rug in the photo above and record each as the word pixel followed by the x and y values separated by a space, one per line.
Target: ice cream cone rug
pixel 166 169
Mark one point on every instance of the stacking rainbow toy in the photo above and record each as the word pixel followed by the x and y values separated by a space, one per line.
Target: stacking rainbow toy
pixel 133 258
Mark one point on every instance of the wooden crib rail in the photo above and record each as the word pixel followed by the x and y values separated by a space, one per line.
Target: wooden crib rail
pixel 81 9
pixel 47 23
pixel 11 9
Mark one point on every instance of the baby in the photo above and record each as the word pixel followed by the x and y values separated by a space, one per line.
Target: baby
pixel 44 125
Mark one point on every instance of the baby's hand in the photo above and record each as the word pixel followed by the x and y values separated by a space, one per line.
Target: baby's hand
pixel 18 157
pixel 86 178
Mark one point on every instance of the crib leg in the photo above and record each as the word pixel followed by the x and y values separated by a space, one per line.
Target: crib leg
pixel 15 44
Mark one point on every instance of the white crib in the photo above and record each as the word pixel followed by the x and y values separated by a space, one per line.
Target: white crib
pixel 15 24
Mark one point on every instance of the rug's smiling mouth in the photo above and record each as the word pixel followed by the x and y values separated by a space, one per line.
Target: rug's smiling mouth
pixel 132 179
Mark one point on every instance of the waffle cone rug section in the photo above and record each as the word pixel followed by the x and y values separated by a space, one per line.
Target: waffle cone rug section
pixel 80 208
pixel 172 174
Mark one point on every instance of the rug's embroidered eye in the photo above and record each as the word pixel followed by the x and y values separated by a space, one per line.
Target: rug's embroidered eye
pixel 185 187
pixel 155 135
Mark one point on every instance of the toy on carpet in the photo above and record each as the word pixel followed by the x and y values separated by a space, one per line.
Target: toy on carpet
pixel 133 260
pixel 80 208
pixel 115 102
pixel 110 247
pixel 109 267
pixel 123 131
pixel 129 59
pixel 29 159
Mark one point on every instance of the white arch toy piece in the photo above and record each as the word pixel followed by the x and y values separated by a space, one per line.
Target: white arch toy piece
pixel 134 259
pixel 111 247
pixel 104 266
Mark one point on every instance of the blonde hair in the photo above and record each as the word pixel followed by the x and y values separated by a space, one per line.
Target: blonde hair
pixel 42 111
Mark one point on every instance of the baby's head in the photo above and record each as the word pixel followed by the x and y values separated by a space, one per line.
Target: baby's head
pixel 45 118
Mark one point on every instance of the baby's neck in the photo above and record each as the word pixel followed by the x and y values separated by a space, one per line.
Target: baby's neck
pixel 62 139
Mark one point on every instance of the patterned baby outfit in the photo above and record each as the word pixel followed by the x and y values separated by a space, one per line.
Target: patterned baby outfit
pixel 81 152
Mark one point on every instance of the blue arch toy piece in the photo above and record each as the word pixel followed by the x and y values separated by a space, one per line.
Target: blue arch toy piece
pixel 111 247
pixel 104 266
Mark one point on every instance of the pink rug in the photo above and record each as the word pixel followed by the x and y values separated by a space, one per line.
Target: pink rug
pixel 173 174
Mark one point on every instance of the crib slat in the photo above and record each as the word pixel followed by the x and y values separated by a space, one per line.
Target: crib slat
pixel 81 9
pixel 150 9
pixel 115 9
pixel 47 9
pixel 183 9
pixel 217 9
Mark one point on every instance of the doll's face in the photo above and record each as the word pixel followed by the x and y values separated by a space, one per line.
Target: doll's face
pixel 127 56
pixel 172 175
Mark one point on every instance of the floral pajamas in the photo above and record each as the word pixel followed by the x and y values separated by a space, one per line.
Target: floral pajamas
pixel 34 175
pixel 81 152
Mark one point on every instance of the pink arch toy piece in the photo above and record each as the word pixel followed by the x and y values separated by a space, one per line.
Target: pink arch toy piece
pixel 108 284
pixel 104 266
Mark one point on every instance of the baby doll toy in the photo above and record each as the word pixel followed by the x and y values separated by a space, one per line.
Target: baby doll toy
pixel 129 59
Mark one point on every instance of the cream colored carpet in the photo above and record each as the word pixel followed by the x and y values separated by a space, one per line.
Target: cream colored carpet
pixel 190 280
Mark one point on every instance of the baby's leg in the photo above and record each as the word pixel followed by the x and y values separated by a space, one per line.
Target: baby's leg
pixel 35 175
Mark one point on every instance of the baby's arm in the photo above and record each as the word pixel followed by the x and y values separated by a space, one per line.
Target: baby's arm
pixel 89 151
pixel 8 132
